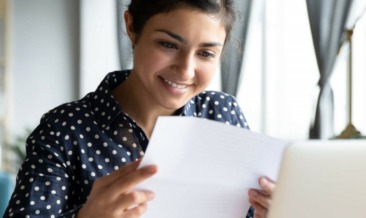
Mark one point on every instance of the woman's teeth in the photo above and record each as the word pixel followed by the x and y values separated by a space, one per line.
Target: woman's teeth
pixel 175 85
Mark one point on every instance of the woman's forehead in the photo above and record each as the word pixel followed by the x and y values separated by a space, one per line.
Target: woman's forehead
pixel 187 22
pixel 182 17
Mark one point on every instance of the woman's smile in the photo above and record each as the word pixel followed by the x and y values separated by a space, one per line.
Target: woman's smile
pixel 176 85
pixel 175 88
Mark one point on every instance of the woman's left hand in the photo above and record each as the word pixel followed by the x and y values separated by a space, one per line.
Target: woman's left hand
pixel 261 199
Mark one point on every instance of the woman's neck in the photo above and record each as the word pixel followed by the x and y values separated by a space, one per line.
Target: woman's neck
pixel 138 104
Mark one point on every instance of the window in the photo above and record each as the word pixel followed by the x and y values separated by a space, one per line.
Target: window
pixel 279 87
pixel 340 82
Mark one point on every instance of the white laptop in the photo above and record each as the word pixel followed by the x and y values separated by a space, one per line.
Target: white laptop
pixel 322 179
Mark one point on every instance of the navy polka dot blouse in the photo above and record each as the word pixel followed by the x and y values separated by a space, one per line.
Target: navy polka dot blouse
pixel 78 142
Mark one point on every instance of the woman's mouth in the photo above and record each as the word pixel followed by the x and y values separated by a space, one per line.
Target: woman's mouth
pixel 175 85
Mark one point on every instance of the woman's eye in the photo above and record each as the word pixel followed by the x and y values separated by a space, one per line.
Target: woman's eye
pixel 168 45
pixel 207 54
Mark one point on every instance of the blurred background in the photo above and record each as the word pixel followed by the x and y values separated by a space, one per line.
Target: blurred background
pixel 55 51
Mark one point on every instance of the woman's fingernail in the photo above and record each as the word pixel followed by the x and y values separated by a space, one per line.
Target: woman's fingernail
pixel 253 193
pixel 264 181
pixel 151 169
pixel 151 195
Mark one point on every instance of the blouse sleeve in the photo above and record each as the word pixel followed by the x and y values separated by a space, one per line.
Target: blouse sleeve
pixel 43 183
pixel 236 114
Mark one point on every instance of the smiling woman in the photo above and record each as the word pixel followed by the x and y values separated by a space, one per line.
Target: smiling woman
pixel 82 159
pixel 174 60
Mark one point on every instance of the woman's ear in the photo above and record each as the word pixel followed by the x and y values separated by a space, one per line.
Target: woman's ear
pixel 129 28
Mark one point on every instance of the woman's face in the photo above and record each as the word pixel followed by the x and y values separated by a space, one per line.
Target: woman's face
pixel 176 56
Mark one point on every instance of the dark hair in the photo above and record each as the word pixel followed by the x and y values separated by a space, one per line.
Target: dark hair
pixel 142 10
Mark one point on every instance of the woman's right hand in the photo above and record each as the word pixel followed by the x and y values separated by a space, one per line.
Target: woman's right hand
pixel 113 195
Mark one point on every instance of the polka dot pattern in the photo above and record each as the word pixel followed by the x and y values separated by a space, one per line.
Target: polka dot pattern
pixel 78 142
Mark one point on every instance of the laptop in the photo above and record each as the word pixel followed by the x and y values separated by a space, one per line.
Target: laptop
pixel 321 179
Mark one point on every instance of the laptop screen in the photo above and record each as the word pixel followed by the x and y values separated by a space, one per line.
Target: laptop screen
pixel 321 179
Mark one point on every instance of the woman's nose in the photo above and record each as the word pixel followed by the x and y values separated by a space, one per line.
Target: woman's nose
pixel 186 66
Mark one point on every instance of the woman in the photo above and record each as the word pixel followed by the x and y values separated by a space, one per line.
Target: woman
pixel 81 159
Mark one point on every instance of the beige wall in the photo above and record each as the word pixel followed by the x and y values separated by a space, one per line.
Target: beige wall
pixel 44 58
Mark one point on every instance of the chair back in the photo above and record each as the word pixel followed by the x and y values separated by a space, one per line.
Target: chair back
pixel 6 189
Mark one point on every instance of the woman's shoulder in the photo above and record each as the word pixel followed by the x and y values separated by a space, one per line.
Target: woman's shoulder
pixel 70 112
pixel 219 106
pixel 214 99
pixel 97 102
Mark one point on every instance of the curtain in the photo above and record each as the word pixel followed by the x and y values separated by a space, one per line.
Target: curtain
pixel 125 47
pixel 232 60
pixel 327 23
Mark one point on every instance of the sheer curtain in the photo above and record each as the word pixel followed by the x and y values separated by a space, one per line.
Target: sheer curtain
pixel 327 21
pixel 277 91
pixel 280 70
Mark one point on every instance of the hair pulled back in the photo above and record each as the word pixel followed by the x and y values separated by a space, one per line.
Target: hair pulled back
pixel 142 10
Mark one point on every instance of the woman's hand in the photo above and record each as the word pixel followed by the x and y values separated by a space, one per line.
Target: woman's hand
pixel 113 195
pixel 261 199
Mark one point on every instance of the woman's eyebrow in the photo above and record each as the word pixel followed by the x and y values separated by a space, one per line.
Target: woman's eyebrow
pixel 211 44
pixel 173 35
pixel 181 39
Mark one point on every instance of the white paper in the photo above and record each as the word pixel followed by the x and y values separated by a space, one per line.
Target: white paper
pixel 205 167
